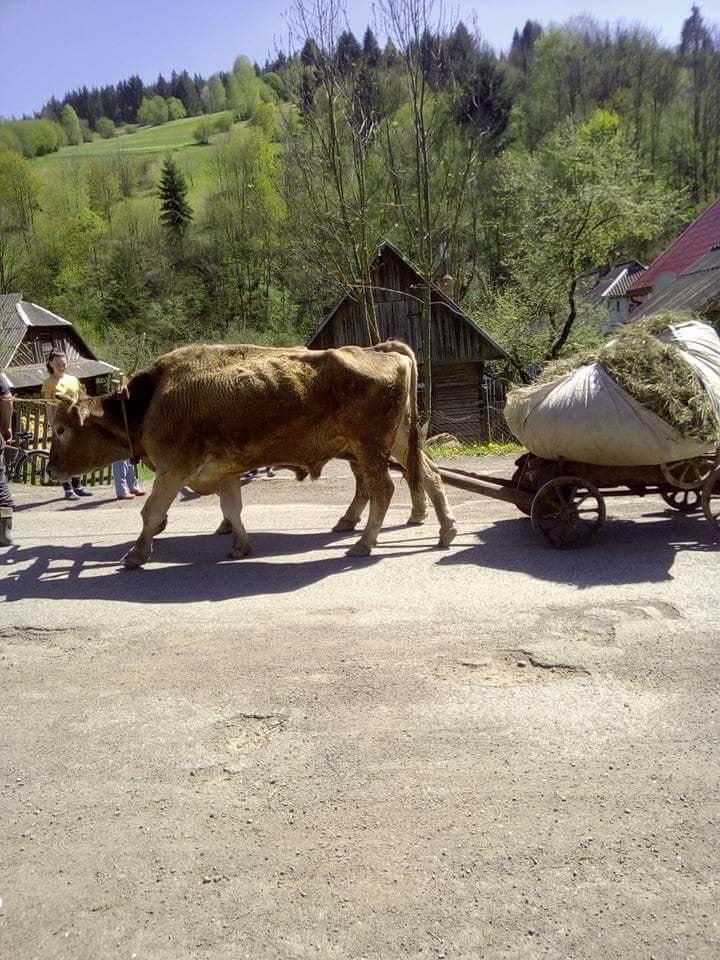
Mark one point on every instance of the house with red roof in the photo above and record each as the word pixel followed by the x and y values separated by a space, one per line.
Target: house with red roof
pixel 686 276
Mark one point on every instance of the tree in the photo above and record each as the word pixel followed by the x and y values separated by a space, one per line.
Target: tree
pixel 348 51
pixel 522 48
pixel 371 49
pixel 71 125
pixel 19 193
pixel 203 131
pixel 176 110
pixel 105 127
pixel 175 211
pixel 103 188
pixel 153 112
pixel 213 95
pixel 184 89
pixel 581 202
pixel 331 155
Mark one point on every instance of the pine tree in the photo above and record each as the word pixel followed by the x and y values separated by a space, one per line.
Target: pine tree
pixel 175 211
pixel 371 49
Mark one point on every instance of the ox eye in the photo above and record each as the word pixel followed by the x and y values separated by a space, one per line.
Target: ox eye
pixel 60 431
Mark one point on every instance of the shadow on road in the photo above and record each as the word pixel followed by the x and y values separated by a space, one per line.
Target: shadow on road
pixel 199 572
pixel 625 551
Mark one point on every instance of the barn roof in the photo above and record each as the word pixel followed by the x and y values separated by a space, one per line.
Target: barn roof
pixel 12 327
pixel 438 296
pixel 17 316
pixel 693 243
pixel 697 289
pixel 33 375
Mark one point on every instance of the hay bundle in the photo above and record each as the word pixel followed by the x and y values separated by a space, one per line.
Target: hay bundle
pixel 655 374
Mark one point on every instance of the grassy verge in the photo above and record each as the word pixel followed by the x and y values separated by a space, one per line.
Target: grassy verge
pixel 473 450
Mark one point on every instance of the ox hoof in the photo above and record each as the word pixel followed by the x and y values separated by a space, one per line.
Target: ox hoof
pixel 359 550
pixel 238 552
pixel 134 558
pixel 344 524
pixel 225 527
pixel 447 536
pixel 416 520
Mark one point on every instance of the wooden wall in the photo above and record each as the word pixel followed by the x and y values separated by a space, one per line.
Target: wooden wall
pixel 458 349
pixel 34 348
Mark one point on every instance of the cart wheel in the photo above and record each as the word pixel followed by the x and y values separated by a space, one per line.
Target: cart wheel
pixel 711 498
pixel 688 474
pixel 686 501
pixel 568 512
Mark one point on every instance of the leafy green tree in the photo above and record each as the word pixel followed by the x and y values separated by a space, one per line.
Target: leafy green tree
pixel 106 128
pixel 176 109
pixel 19 194
pixel 71 125
pixel 213 95
pixel 203 131
pixel 581 202
pixel 153 112
pixel 175 211
pixel 104 189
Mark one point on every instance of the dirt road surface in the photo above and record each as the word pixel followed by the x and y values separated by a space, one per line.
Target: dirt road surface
pixel 494 750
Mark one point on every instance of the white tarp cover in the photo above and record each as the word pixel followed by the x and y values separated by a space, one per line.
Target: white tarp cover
pixel 585 416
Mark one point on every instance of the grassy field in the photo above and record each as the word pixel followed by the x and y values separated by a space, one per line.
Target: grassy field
pixel 175 137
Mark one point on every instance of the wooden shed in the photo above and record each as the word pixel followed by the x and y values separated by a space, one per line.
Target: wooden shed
pixel 27 335
pixel 459 347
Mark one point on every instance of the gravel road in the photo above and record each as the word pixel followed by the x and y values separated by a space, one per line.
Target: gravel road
pixel 494 750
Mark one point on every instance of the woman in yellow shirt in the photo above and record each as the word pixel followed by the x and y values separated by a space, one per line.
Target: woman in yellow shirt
pixel 65 383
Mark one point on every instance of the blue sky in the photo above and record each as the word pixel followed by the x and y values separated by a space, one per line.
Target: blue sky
pixel 50 46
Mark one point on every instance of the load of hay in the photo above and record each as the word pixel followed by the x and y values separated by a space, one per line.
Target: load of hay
pixel 651 395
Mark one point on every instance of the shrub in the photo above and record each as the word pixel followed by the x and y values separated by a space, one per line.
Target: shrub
pixel 224 122
pixel 105 127
pixel 202 131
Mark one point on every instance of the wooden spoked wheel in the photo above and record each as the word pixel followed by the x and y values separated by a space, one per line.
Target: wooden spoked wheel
pixel 686 501
pixel 688 474
pixel 568 511
pixel 711 498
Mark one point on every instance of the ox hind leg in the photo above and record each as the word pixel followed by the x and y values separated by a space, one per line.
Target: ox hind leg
pixel 379 485
pixel 432 485
pixel 165 488
pixel 231 505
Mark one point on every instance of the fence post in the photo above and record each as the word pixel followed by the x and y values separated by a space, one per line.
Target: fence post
pixel 486 398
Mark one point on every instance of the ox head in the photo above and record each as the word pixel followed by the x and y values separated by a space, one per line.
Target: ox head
pixel 85 437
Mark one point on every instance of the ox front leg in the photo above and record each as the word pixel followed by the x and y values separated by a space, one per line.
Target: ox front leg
pixel 351 517
pixel 380 489
pixel 231 504
pixel 154 513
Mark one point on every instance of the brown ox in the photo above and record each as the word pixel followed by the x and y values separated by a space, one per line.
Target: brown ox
pixel 203 415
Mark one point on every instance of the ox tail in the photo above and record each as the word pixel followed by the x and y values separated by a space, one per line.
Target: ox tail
pixel 413 465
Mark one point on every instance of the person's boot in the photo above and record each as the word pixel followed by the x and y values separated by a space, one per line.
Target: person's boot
pixel 6 516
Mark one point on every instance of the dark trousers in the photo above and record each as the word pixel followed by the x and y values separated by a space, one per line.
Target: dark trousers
pixel 5 499
pixel 74 483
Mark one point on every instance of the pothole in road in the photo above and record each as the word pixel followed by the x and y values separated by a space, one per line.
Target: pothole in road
pixel 517 667
pixel 248 731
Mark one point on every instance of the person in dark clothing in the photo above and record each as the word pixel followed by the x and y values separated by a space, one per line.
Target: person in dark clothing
pixel 6 501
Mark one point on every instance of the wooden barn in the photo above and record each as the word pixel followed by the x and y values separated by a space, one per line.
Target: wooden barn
pixel 27 335
pixel 462 393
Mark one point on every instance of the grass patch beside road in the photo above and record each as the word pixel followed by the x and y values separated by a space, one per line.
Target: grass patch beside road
pixel 473 450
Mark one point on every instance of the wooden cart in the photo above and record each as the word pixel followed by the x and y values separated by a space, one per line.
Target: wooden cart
pixel 566 500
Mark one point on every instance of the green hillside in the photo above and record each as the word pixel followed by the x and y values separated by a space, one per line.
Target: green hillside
pixel 176 136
